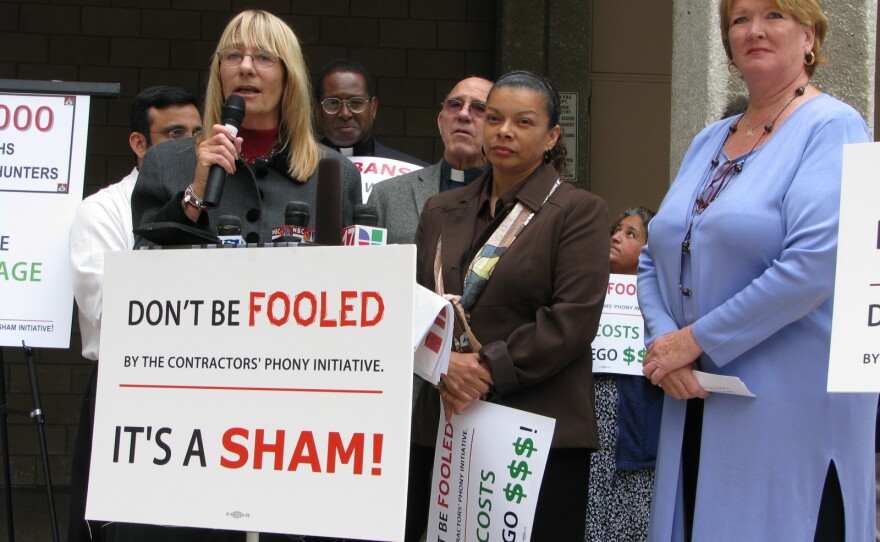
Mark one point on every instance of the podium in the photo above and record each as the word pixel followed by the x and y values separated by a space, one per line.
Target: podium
pixel 260 390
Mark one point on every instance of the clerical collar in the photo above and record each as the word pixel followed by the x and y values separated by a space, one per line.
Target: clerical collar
pixel 453 178
pixel 362 148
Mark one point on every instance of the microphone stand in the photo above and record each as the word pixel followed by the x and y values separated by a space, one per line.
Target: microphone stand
pixel 37 415
pixel 4 437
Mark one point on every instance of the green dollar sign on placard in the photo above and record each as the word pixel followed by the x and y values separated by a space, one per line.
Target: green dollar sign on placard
pixel 642 353
pixel 524 447
pixel 628 356
pixel 515 493
pixel 520 470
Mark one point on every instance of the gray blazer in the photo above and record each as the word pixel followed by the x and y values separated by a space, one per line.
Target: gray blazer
pixel 257 194
pixel 399 201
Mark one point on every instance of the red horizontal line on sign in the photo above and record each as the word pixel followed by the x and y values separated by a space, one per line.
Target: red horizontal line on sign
pixel 20 320
pixel 242 388
pixel 621 314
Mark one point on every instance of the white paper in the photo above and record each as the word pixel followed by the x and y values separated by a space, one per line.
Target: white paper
pixel 432 334
pixel 730 385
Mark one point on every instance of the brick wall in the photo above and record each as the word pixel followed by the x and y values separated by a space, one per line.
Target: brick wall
pixel 415 49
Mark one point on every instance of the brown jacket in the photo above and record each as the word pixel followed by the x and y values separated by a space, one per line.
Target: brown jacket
pixel 540 309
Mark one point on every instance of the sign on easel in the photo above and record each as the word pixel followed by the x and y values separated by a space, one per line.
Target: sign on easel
pixel 855 329
pixel 256 389
pixel 42 163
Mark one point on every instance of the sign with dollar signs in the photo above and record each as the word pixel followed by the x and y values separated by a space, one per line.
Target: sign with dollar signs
pixel 619 346
pixel 488 467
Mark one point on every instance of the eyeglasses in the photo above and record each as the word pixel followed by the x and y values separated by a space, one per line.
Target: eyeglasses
pixel 261 59
pixel 712 190
pixel 333 106
pixel 725 173
pixel 177 133
pixel 453 106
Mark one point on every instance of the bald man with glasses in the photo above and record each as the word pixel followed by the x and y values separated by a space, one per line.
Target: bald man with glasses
pixel 400 200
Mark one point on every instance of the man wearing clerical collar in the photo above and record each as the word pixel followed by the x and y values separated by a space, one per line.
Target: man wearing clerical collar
pixel 347 106
pixel 399 200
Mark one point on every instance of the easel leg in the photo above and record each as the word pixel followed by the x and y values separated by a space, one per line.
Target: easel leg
pixel 4 437
pixel 37 415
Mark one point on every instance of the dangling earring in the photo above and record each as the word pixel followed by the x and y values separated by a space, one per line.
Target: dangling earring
pixel 810 58
pixel 547 157
pixel 731 68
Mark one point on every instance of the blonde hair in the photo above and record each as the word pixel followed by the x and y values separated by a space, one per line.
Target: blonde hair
pixel 261 30
pixel 807 12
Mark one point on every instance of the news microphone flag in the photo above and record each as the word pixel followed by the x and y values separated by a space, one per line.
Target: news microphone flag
pixel 289 233
pixel 358 235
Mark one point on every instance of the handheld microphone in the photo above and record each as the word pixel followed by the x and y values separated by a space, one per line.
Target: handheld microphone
pixel 296 220
pixel 364 231
pixel 231 116
pixel 229 230
pixel 328 203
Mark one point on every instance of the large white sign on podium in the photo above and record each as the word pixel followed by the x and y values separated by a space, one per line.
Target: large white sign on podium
pixel 855 330
pixel 256 389
pixel 42 165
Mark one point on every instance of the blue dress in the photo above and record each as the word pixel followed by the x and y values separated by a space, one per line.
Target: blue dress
pixel 761 270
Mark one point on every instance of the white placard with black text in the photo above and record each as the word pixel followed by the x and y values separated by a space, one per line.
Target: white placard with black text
pixel 855 329
pixel 42 164
pixel 619 346
pixel 256 389
pixel 488 467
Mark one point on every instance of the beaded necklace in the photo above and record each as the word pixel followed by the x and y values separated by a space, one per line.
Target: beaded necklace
pixel 725 175
pixel 731 168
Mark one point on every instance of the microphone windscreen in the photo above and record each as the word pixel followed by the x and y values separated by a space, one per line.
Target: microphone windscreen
pixel 233 111
pixel 228 225
pixel 328 203
pixel 296 213
pixel 231 115
pixel 366 215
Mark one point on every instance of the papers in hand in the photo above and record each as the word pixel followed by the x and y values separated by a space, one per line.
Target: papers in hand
pixel 432 334
pixel 722 384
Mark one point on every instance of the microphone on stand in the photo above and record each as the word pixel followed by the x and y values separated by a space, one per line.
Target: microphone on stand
pixel 366 215
pixel 364 231
pixel 296 213
pixel 328 203
pixel 296 220
pixel 229 230
pixel 232 116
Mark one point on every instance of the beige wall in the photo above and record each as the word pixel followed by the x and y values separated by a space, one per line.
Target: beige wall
pixel 630 101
